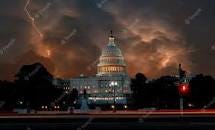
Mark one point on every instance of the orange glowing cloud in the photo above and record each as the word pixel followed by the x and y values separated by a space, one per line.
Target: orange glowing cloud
pixel 151 46
pixel 154 46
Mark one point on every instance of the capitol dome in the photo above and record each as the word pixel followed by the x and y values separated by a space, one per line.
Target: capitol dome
pixel 111 50
pixel 111 60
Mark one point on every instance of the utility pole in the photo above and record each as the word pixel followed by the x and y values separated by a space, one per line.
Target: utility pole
pixel 114 96
pixel 183 88
pixel 113 84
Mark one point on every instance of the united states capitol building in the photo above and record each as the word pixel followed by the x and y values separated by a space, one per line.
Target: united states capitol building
pixel 110 85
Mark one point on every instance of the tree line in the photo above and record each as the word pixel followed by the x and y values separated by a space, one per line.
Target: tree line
pixel 164 92
pixel 33 88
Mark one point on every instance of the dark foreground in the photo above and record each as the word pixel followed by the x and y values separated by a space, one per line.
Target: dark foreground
pixel 109 122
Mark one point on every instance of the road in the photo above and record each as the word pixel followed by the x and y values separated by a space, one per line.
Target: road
pixel 121 120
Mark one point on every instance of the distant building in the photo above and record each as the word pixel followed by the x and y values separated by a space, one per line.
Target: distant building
pixel 182 75
pixel 111 81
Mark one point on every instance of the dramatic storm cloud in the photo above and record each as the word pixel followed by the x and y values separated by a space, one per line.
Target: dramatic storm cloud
pixel 151 43
pixel 67 35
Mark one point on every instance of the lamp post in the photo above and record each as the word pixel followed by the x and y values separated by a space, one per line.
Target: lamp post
pixel 113 84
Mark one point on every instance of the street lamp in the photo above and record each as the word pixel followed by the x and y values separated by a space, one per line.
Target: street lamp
pixel 112 106
pixel 125 106
pixel 114 84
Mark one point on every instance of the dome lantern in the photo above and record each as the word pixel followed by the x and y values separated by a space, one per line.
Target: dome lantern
pixel 111 39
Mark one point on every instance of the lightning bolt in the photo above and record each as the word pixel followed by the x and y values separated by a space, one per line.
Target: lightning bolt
pixel 32 19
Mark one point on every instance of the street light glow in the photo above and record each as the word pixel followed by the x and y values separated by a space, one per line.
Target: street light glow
pixel 112 106
pixel 113 83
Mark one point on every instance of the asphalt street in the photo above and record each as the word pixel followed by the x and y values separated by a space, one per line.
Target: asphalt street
pixel 114 121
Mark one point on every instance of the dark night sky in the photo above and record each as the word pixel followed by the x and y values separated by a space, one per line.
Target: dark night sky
pixel 154 35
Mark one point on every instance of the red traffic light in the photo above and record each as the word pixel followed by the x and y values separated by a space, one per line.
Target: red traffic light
pixel 184 89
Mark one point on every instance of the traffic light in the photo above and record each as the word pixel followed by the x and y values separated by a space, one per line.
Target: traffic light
pixel 184 89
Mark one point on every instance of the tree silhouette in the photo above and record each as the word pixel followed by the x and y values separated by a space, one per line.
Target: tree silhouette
pixel 34 85
pixel 203 90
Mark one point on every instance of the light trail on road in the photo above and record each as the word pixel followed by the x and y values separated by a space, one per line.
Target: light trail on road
pixel 117 114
